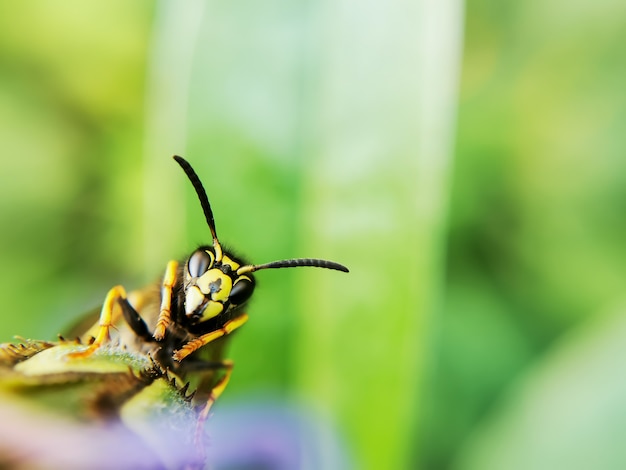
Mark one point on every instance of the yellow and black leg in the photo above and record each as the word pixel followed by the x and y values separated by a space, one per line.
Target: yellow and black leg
pixel 134 320
pixel 215 393
pixel 165 314
pixel 107 317
pixel 195 344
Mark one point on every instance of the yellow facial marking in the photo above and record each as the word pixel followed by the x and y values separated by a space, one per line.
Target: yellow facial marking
pixel 213 309
pixel 193 299
pixel 215 284
pixel 233 264
pixel 241 278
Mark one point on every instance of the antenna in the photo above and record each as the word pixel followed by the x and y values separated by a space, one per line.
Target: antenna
pixel 204 202
pixel 294 263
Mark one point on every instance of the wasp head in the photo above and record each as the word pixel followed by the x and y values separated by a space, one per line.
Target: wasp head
pixel 212 284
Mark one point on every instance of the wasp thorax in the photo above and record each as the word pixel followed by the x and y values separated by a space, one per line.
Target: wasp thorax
pixel 212 285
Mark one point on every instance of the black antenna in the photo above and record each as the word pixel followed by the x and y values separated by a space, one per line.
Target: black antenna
pixel 294 263
pixel 204 202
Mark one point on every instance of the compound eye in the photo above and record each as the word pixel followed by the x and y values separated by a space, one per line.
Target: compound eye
pixel 241 291
pixel 199 262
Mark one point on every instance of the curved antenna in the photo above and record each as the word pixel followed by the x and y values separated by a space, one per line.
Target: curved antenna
pixel 204 202
pixel 293 263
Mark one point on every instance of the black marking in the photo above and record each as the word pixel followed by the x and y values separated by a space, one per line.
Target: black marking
pixel 215 286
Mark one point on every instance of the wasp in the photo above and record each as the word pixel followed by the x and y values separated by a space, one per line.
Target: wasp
pixel 183 320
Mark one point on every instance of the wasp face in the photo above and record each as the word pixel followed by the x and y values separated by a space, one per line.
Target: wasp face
pixel 213 286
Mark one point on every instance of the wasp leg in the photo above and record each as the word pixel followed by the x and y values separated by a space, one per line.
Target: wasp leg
pixel 134 320
pixel 165 315
pixel 216 391
pixel 116 294
pixel 205 339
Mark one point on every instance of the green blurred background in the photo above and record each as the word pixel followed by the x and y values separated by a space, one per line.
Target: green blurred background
pixel 465 160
